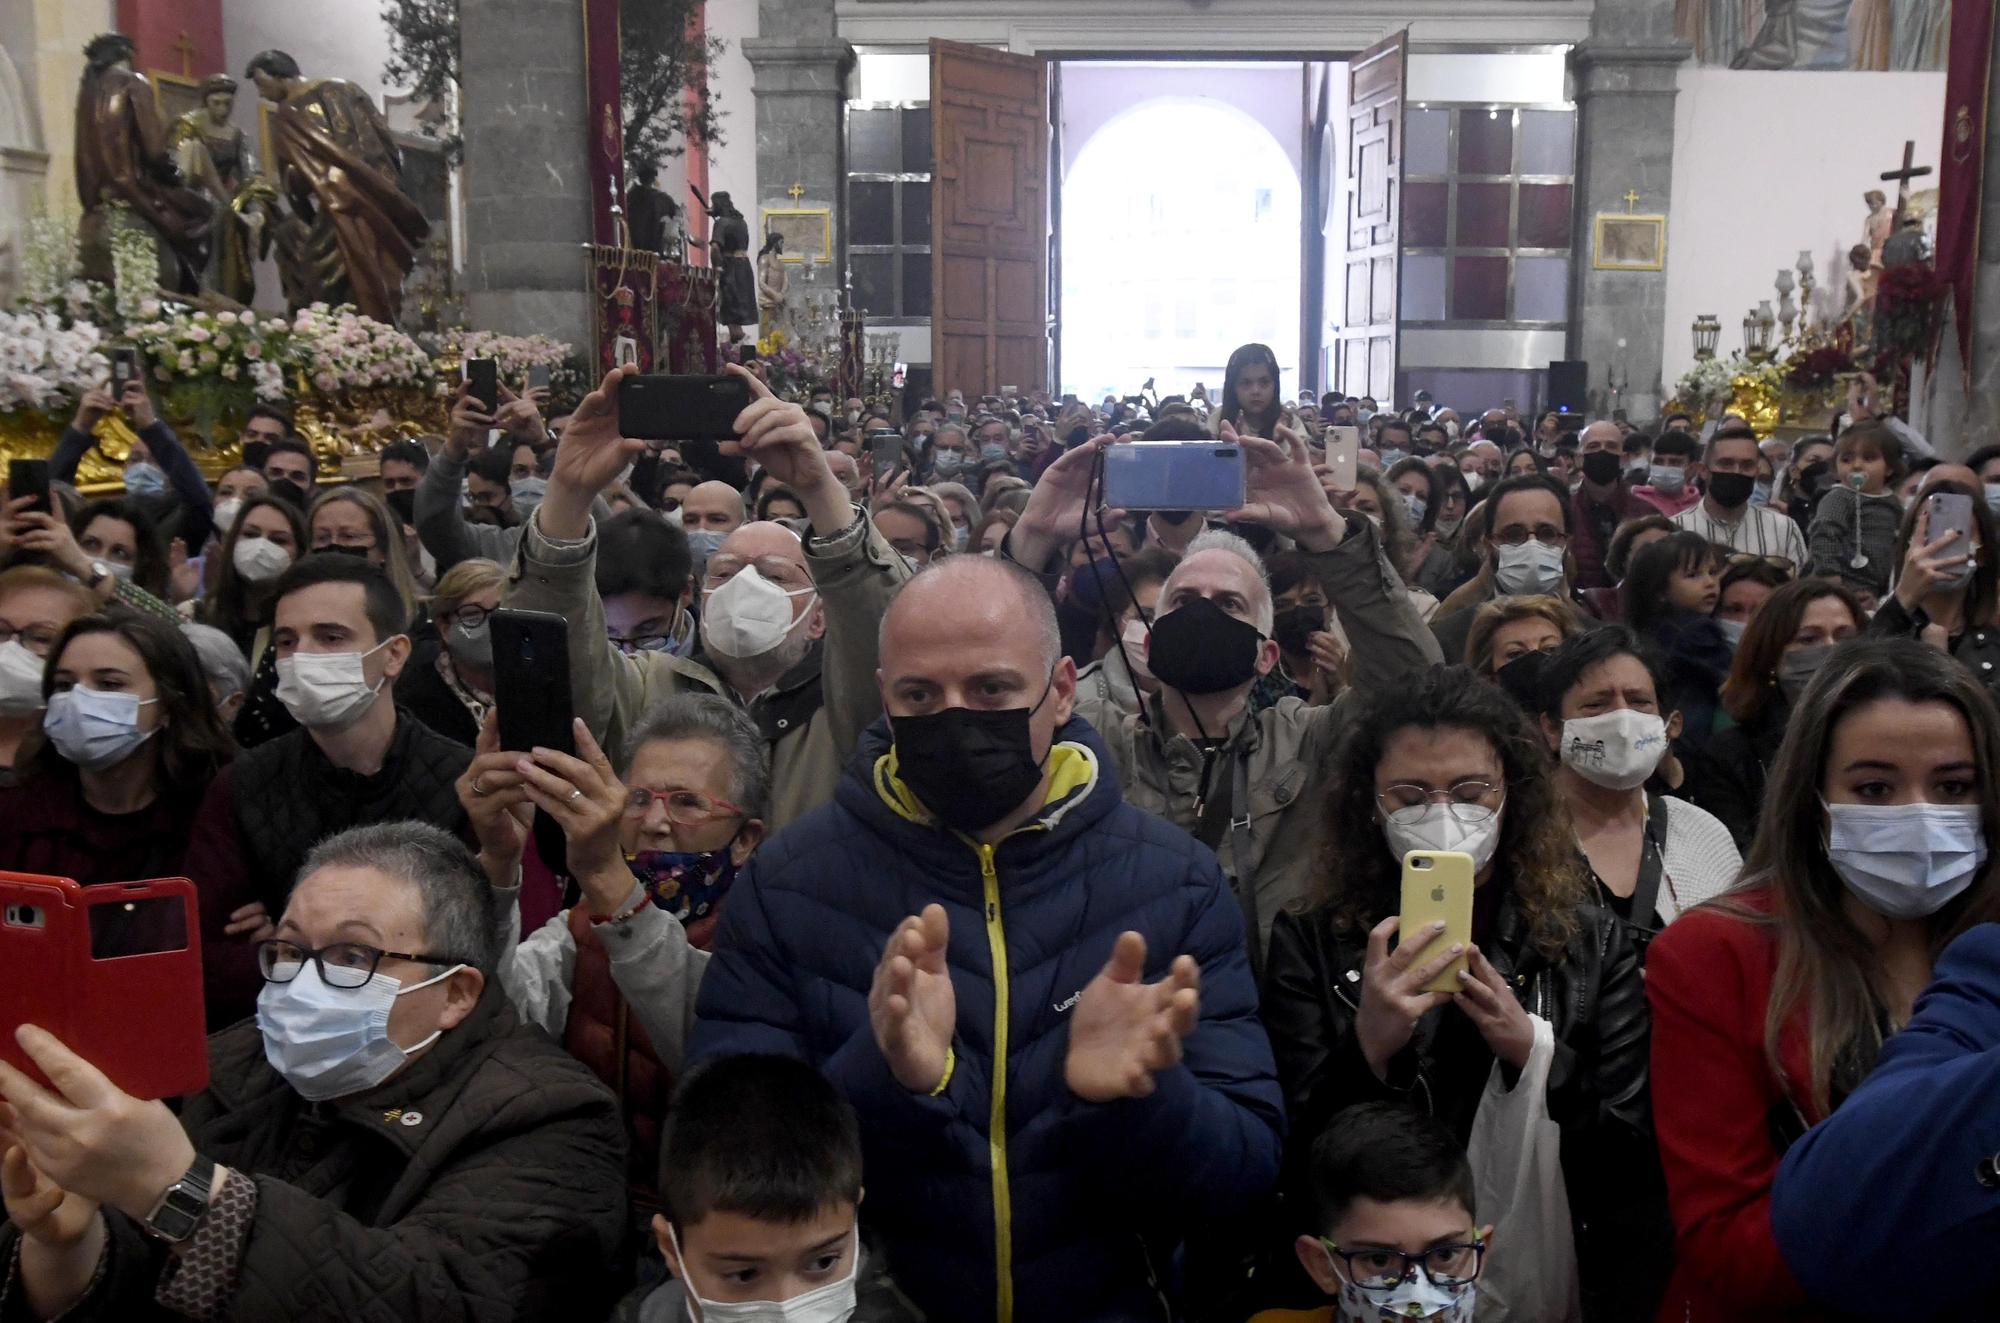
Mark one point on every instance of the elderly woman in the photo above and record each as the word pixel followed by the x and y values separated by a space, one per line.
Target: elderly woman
pixel 386 1130
pixel 964 510
pixel 449 685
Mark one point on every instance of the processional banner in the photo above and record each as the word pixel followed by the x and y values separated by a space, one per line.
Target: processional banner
pixel 1962 159
pixel 687 301
pixel 624 307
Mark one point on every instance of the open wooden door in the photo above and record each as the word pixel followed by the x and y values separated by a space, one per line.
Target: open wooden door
pixel 1374 186
pixel 989 219
pixel 1322 227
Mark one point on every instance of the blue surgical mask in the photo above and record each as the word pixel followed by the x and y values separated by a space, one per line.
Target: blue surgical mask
pixel 1732 629
pixel 946 463
pixel 992 451
pixel 144 479
pixel 332 1042
pixel 1417 505
pixel 1907 861
pixel 1760 493
pixel 703 543
pixel 1392 457
pixel 1993 497
pixel 94 728
pixel 1531 568
pixel 528 493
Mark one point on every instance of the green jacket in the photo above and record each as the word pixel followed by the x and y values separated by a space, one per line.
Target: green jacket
pixel 813 717
pixel 1284 749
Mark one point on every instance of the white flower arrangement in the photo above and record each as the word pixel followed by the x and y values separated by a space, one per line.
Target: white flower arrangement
pixel 515 354
pixel 1709 379
pixel 181 347
pixel 135 263
pixel 46 364
pixel 48 259
pixel 340 350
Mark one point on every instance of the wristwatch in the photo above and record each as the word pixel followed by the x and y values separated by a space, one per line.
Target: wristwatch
pixel 185 1203
pixel 99 572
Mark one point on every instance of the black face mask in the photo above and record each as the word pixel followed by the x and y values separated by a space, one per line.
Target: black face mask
pixel 1522 679
pixel 287 490
pixel 1730 490
pixel 1294 626
pixel 1602 467
pixel 404 503
pixel 1201 649
pixel 1076 436
pixel 969 766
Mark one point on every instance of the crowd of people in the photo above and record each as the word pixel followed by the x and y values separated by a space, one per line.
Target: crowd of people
pixel 962 900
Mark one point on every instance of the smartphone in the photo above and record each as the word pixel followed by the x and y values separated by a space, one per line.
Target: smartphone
pixel 1343 456
pixel 531 697
pixel 114 971
pixel 885 449
pixel 538 376
pixel 482 377
pixel 675 408
pixel 1951 512
pixel 1437 886
pixel 124 368
pixel 29 477
pixel 1174 475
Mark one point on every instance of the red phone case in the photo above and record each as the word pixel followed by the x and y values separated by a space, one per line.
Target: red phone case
pixel 138 1018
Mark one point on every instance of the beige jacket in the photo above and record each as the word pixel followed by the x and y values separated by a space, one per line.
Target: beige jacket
pixel 812 718
pixel 1285 748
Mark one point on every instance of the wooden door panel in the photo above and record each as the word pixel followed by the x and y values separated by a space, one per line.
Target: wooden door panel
pixel 1373 230
pixel 989 219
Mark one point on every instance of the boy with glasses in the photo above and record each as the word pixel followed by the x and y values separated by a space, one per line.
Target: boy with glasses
pixel 1393 1234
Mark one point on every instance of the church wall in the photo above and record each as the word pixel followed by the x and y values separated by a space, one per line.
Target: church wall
pixel 732 164
pixel 1766 164
pixel 1093 94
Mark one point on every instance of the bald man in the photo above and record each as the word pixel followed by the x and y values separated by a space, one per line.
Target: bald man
pixel 1602 501
pixel 788 626
pixel 1035 994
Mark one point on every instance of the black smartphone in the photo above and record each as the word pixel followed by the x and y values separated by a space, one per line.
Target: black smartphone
pixel 482 377
pixel 29 477
pixel 885 448
pixel 675 408
pixel 531 697
pixel 538 376
pixel 124 368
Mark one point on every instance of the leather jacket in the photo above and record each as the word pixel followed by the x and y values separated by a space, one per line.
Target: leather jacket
pixel 1592 996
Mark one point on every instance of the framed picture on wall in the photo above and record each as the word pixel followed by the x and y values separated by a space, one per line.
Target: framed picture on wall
pixel 173 94
pixel 1625 242
pixel 808 233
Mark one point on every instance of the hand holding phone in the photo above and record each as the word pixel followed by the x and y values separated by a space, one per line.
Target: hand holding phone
pixel 1174 475
pixel 29 478
pixel 1343 457
pixel 682 408
pixel 1437 888
pixel 1946 514
pixel 531 701
pixel 482 382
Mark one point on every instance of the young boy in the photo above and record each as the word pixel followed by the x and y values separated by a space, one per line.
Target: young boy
pixel 1860 512
pixel 760 1177
pixel 1396 1239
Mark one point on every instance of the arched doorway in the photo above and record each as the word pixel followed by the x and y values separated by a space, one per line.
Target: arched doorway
pixel 1180 241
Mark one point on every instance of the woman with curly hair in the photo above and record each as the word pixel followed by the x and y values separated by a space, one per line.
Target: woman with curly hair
pixel 1448 762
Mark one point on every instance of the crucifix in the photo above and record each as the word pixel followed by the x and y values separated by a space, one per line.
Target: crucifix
pixel 1903 178
pixel 184 47
pixel 1631 199
pixel 796 191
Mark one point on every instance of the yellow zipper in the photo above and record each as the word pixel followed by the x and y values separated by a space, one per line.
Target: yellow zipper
pixel 996 1126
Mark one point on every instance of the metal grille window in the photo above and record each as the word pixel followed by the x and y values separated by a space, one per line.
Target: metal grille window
pixel 1488 212
pixel 889 208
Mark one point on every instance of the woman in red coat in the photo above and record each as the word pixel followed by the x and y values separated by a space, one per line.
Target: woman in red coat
pixel 1772 1003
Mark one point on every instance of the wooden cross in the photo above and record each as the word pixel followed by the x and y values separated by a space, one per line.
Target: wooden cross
pixel 1903 178
pixel 797 191
pixel 184 45
pixel 1631 198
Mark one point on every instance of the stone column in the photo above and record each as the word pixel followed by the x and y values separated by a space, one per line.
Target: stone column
pixel 1981 401
pixel 1624 77
pixel 526 177
pixel 799 73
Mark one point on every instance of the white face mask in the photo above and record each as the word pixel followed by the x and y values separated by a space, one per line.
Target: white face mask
pixel 1617 750
pixel 1907 861
pixel 259 559
pixel 225 512
pixel 749 615
pixel 1134 653
pixel 95 729
pixel 1417 1297
pixel 831 1303
pixel 328 690
pixel 1732 629
pixel 20 680
pixel 1533 567
pixel 1438 828
pixel 1668 479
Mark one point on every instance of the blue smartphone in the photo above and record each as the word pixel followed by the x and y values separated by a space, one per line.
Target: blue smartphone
pixel 1173 475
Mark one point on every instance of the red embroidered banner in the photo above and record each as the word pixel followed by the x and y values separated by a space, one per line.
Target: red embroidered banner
pixel 624 307
pixel 1962 159
pixel 602 87
pixel 687 317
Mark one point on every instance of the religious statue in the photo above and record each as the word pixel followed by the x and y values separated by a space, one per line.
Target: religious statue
pixel 772 283
pixel 650 214
pixel 352 233
pixel 1906 246
pixel 1858 301
pixel 1880 225
pixel 215 156
pixel 729 244
pixel 122 159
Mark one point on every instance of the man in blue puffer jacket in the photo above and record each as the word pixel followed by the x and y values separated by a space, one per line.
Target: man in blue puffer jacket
pixel 963 941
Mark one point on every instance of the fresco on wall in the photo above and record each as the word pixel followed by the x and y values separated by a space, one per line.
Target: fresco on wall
pixel 1816 34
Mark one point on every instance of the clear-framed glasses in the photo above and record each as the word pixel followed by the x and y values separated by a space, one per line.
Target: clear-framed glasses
pixel 341 964
pixel 689 808
pixel 1384 1269
pixel 1473 799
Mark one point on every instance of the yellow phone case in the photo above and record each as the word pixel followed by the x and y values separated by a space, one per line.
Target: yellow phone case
pixel 1437 886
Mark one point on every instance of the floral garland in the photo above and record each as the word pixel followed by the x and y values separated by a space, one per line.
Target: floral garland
pixel 340 350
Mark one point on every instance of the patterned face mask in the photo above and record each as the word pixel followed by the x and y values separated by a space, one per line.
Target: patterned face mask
pixel 687 884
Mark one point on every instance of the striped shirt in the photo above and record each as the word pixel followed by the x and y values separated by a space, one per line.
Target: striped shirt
pixel 1760 532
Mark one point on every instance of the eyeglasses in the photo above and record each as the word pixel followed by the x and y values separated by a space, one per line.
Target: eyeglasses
pixel 35 640
pixel 689 808
pixel 1404 803
pixel 341 964
pixel 1547 534
pixel 642 643
pixel 470 617
pixel 1383 1269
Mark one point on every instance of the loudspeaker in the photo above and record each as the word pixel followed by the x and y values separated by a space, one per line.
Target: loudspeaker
pixel 1569 384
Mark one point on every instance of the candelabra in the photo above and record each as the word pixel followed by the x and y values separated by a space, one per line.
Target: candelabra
pixel 1806 282
pixel 1707 332
pixel 883 348
pixel 1787 311
pixel 1759 328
